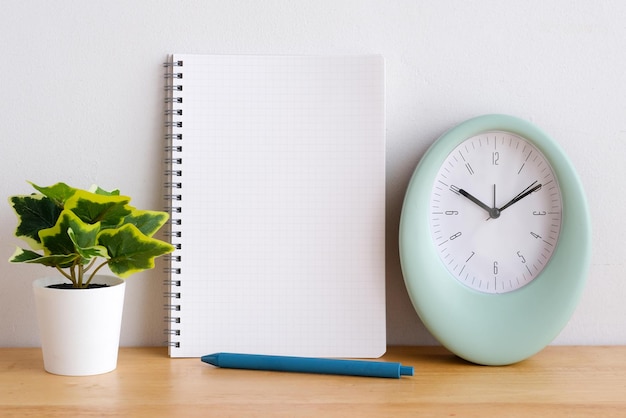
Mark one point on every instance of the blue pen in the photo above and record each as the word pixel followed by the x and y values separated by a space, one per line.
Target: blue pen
pixel 308 365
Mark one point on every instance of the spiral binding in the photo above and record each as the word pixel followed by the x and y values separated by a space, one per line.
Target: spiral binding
pixel 173 185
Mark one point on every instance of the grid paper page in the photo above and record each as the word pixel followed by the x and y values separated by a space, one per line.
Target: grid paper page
pixel 283 206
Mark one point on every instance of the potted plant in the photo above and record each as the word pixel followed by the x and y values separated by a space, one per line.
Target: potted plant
pixel 79 232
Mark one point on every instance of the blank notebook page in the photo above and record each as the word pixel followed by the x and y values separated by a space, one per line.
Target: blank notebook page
pixel 282 206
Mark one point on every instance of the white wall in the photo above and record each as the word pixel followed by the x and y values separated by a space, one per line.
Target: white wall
pixel 81 101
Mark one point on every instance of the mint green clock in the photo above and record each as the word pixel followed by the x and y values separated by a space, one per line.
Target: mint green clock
pixel 495 239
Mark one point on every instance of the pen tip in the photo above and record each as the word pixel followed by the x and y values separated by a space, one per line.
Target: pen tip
pixel 406 371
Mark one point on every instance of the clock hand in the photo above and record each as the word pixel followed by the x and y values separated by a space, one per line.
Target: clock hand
pixel 530 189
pixel 493 212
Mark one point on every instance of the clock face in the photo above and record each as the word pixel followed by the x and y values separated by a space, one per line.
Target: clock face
pixel 495 212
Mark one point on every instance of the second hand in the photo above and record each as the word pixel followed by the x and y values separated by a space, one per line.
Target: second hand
pixel 494 212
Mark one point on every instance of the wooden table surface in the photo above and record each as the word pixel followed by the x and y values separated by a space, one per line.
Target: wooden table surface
pixel 558 382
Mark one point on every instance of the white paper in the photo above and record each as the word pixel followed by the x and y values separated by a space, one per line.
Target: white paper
pixel 283 206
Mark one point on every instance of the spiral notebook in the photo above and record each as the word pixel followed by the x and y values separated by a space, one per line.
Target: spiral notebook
pixel 276 177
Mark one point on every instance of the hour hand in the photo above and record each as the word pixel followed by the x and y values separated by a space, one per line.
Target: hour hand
pixel 473 199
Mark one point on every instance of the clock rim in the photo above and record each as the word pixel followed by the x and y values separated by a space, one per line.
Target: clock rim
pixel 484 328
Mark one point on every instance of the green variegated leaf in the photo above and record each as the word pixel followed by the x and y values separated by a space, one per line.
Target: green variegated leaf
pixel 130 250
pixel 26 256
pixel 148 221
pixel 35 212
pixel 56 240
pixel 98 190
pixel 84 243
pixel 110 211
pixel 74 227
pixel 58 193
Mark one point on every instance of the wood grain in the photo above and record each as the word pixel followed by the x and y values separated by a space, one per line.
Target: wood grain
pixel 558 382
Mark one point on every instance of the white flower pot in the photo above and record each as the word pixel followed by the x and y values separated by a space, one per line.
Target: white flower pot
pixel 79 328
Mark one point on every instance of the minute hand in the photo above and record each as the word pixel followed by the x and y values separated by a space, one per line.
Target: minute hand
pixel 522 195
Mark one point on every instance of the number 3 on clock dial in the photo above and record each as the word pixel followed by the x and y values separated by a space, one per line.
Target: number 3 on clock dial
pixel 495 212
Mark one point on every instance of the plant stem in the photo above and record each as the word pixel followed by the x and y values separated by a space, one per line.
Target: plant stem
pixel 91 264
pixel 67 276
pixel 95 271
pixel 81 275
